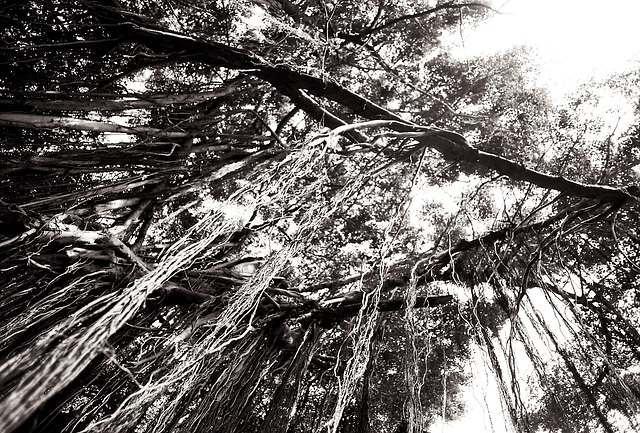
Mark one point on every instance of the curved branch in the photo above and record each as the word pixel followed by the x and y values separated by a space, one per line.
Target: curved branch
pixel 292 83
pixel 455 147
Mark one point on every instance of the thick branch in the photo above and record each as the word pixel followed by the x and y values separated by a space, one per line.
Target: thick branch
pixel 284 79
pixel 439 261
pixel 455 147
pixel 320 114
pixel 290 83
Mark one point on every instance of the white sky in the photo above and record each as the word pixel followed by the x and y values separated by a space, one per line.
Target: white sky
pixel 577 39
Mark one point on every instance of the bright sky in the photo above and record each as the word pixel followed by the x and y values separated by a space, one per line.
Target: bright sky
pixel 578 39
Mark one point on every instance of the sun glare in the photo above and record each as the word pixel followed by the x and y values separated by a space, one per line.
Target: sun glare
pixel 576 40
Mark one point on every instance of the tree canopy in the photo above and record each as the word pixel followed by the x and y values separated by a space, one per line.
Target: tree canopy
pixel 294 216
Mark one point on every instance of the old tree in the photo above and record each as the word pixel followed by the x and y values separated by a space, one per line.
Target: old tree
pixel 275 215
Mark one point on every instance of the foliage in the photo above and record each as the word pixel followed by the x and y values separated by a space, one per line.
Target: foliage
pixel 241 216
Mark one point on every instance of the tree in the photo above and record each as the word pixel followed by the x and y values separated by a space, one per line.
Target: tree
pixel 208 225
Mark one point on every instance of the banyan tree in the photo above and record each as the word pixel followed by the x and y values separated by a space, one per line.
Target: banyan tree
pixel 294 216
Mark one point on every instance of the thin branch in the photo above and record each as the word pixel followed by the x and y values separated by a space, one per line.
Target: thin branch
pixel 393 22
